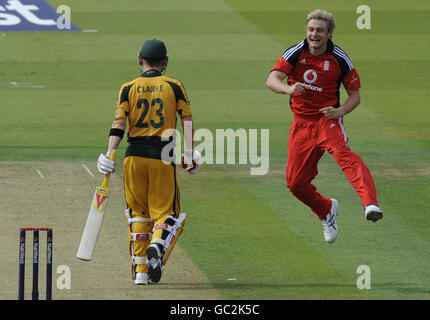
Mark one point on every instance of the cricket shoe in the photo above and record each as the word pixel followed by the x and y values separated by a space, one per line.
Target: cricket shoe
pixel 141 278
pixel 373 213
pixel 154 263
pixel 329 222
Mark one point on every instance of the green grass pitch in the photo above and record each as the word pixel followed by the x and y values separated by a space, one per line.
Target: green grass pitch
pixel 248 234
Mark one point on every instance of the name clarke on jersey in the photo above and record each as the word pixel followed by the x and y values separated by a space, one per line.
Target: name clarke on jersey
pixel 141 89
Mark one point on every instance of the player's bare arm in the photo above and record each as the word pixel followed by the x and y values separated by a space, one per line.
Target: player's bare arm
pixel 350 104
pixel 189 136
pixel 104 164
pixel 191 159
pixel 275 82
pixel 115 140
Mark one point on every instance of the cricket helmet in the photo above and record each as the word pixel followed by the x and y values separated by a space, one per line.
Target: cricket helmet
pixel 153 49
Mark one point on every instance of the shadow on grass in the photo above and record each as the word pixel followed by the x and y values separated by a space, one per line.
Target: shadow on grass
pixel 401 288
pixel 382 289
pixel 405 288
pixel 234 285
pixel 183 286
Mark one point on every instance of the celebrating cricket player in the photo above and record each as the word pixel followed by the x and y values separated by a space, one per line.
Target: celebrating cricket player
pixel 315 69
pixel 151 104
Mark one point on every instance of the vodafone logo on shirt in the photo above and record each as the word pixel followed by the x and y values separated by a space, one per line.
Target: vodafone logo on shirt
pixel 313 78
pixel 310 76
pixel 31 15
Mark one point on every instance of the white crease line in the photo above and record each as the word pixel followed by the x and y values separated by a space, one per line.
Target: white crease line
pixel 40 173
pixel 23 85
pixel 88 170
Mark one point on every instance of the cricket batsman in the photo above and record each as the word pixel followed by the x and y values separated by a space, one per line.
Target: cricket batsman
pixel 315 68
pixel 151 104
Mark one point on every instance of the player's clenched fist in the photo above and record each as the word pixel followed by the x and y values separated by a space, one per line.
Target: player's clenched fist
pixel 296 88
pixel 332 113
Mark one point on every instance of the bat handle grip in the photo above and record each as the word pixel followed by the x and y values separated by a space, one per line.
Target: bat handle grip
pixel 112 157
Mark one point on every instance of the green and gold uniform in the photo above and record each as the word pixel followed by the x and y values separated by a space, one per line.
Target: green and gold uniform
pixel 151 104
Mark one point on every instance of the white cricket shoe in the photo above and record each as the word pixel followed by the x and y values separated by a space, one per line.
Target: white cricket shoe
pixel 141 278
pixel 373 212
pixel 329 222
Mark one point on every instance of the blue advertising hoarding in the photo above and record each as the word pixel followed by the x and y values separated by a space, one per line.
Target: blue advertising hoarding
pixel 34 15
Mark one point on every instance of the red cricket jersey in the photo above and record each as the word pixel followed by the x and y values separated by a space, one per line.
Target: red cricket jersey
pixel 321 74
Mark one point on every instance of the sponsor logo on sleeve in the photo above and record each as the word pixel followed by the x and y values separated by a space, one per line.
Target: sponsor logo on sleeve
pixel 34 15
pixel 354 78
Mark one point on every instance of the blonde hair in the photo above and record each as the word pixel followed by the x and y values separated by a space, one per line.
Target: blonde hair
pixel 323 15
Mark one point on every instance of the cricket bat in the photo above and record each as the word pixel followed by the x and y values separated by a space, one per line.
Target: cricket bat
pixel 95 219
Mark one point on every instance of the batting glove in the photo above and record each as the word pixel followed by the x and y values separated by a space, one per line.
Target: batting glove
pixel 105 165
pixel 191 160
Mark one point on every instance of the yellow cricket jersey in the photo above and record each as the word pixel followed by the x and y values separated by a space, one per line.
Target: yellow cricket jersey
pixel 151 104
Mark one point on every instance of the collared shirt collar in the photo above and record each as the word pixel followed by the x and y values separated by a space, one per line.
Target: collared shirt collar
pixel 330 46
pixel 151 73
